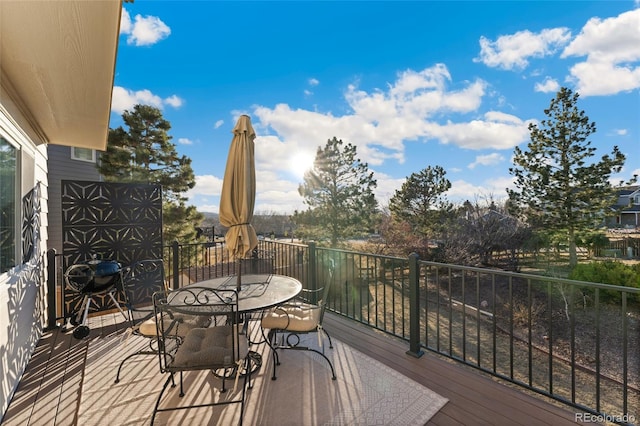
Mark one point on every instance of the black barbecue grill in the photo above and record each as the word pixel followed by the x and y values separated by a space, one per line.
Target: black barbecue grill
pixel 89 279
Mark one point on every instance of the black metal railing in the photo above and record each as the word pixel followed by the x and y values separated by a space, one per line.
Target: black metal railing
pixel 573 341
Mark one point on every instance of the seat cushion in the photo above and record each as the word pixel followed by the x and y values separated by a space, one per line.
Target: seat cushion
pixel 205 348
pixel 300 317
pixel 148 327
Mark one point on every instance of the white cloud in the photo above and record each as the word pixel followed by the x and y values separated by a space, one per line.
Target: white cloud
pixel 462 190
pixel 621 132
pixel 496 131
pixel 387 186
pixel 218 124
pixel 549 85
pixel 125 99
pixel 125 22
pixel 185 141
pixel 276 193
pixel 623 177
pixel 612 48
pixel 313 81
pixel 174 101
pixel 206 185
pixel 210 208
pixel 513 51
pixel 487 160
pixel 144 30
pixel 307 92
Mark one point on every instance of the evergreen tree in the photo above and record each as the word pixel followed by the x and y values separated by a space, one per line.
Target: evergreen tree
pixel 144 153
pixel 339 193
pixel 421 201
pixel 558 186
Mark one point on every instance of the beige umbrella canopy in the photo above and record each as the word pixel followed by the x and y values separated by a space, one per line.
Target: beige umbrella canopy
pixel 239 192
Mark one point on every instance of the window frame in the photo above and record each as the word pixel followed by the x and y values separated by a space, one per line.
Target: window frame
pixel 17 206
pixel 74 156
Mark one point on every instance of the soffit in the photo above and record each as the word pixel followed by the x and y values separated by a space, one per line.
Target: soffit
pixel 57 60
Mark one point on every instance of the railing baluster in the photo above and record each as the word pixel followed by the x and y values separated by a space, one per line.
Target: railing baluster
pixel 511 327
pixel 625 365
pixel 494 323
pixel 478 306
pixel 529 333
pixel 550 334
pixel 572 328
pixel 464 317
pixel 597 303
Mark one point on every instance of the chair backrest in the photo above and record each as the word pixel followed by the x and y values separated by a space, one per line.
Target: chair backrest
pixel 198 329
pixel 141 280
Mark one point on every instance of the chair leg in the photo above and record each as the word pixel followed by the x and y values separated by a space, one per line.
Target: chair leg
pixel 271 337
pixel 181 386
pixel 247 378
pixel 333 372
pixel 117 380
pixel 328 337
pixel 155 409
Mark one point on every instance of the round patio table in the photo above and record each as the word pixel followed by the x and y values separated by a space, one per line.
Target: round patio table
pixel 257 292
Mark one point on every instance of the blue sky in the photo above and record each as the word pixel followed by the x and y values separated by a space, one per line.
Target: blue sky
pixel 411 84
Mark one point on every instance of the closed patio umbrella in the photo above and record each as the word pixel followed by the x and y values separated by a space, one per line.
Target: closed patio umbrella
pixel 239 193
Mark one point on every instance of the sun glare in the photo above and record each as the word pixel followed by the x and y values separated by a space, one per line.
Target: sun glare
pixel 300 163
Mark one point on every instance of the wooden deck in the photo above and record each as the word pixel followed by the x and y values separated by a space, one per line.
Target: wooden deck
pixel 49 392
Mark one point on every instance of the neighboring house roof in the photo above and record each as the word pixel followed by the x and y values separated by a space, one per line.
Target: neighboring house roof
pixel 625 196
pixel 628 190
pixel 58 65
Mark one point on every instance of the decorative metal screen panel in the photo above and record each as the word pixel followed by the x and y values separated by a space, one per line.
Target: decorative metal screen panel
pixel 108 221
pixel 30 223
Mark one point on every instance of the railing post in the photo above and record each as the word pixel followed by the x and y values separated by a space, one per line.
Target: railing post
pixel 175 249
pixel 313 271
pixel 51 289
pixel 414 307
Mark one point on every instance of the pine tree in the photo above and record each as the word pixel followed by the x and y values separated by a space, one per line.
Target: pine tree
pixel 144 153
pixel 339 193
pixel 421 201
pixel 558 185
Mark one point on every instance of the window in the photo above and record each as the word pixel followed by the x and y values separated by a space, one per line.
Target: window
pixel 83 154
pixel 8 179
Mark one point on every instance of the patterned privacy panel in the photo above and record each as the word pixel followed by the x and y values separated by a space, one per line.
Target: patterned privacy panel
pixel 109 221
pixel 30 223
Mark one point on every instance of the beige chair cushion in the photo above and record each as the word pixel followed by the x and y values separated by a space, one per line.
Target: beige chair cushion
pixel 208 348
pixel 148 327
pixel 300 317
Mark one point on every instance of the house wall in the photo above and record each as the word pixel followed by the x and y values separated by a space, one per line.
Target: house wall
pixel 62 167
pixel 22 288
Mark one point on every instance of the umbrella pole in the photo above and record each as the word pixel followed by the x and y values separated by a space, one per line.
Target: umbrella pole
pixel 238 283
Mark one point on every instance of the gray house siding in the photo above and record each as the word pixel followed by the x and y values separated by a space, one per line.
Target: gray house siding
pixel 627 209
pixel 63 167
